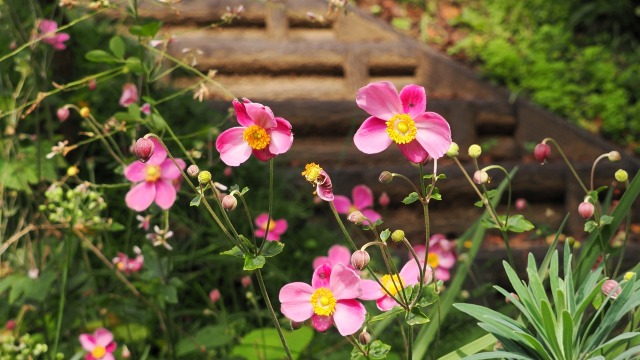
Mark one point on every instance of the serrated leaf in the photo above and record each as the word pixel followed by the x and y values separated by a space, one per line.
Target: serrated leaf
pixel 428 295
pixel 116 45
pixel 393 312
pixel 606 219
pixel 377 350
pixel 272 248
pixel 234 251
pixel 253 262
pixel 518 224
pixel 195 201
pixel 411 198
pixel 100 56
pixel 416 317
pixel 590 225
pixel 384 236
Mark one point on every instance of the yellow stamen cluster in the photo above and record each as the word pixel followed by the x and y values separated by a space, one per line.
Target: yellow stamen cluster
pixel 153 173
pixel 311 172
pixel 392 283
pixel 98 352
pixel 256 137
pixel 433 260
pixel 323 301
pixel 401 129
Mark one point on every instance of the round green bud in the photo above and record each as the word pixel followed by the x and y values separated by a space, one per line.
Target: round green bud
pixel 397 235
pixel 204 177
pixel 474 151
pixel 453 151
pixel 614 156
pixel 385 177
pixel 621 175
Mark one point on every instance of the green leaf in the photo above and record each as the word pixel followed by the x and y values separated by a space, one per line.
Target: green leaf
pixel 169 293
pixel 133 332
pixel 518 224
pixel 253 262
pixel 272 248
pixel 149 29
pixel 384 236
pixel 428 295
pixel 413 197
pixel 590 225
pixel 209 337
pixel 157 122
pixel 606 219
pixel 416 317
pixel 265 344
pixel 487 341
pixel 100 56
pixel 116 45
pixel 244 190
pixel 378 350
pixel 393 312
pixel 114 226
pixel 135 65
pixel 127 117
pixel 235 251
pixel 435 195
pixel 196 201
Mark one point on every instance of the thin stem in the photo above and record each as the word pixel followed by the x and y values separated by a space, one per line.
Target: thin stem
pixel 63 292
pixel 624 242
pixel 484 200
pixel 593 168
pixel 272 312
pixel 566 160
pixel 356 344
pixel 270 205
pixel 249 218
pixel 410 343
pixel 342 227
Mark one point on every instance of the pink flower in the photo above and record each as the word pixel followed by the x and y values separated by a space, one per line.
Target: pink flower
pixel 260 133
pixel 48 30
pixel 329 300
pixel 276 227
pixel 409 275
pixel 146 108
pixel 129 95
pixel 441 256
pixel 245 281
pixel 362 201
pixel 155 180
pixel 100 345
pixel 338 254
pixel 400 118
pixel 214 296
pixel 145 221
pixel 320 179
pixel 128 265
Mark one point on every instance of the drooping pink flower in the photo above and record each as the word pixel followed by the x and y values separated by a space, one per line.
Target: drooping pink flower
pixel 260 133
pixel 362 201
pixel 320 179
pixel 100 345
pixel 401 118
pixel 128 265
pixel 156 180
pixel 129 95
pixel 409 275
pixel 48 30
pixel 276 227
pixel 338 254
pixel 329 300
pixel 441 256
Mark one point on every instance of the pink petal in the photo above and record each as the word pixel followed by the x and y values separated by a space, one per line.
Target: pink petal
pixel 62 37
pixel 233 150
pixel 108 356
pixel 261 220
pixel 319 261
pixel 261 115
pixel 434 134
pixel 272 236
pixel 58 45
pixel 136 171
pixel 386 303
pixel 281 226
pixel 103 337
pixel 371 290
pixel 87 341
pixel 260 233
pixel 89 357
pixel 339 254
pixel 169 171
pixel 410 273
pixel 264 155
pixel 420 251
pixel 344 282
pixel 442 274
pixel 281 137
pixel 372 137
pixel 294 298
pixel 362 197
pixel 371 215
pixel 129 95
pixel 165 194
pixel 321 323
pixel 159 153
pixel 414 152
pixel 349 316
pixel 342 204
pixel 321 276
pixel 324 187
pixel 446 260
pixel 414 100
pixel 140 197
pixel 47 26
pixel 380 99
pixel 241 114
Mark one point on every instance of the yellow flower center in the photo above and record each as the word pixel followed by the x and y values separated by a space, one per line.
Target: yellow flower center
pixel 311 172
pixel 432 260
pixel 352 209
pixel 120 265
pixel 324 304
pixel 256 137
pixel 153 173
pixel 98 352
pixel 401 129
pixel 392 284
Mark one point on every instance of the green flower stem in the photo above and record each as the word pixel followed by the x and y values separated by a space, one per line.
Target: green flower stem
pixel 107 141
pixel 270 205
pixel 63 293
pixel 415 188
pixel 593 168
pixel 249 218
pixel 223 211
pixel 624 243
pixel 342 227
pixel 272 312
pixel 373 273
pixel 566 160
pixel 503 228
pixel 397 283
pixel 356 344
pixel 410 343
pixel 484 200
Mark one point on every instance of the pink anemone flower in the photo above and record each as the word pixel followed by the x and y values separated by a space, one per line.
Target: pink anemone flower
pixel 260 133
pixel 329 300
pixel 129 95
pixel 276 227
pixel 156 180
pixel 338 254
pixel 403 119
pixel 442 256
pixel 321 180
pixel 128 265
pixel 48 30
pixel 100 345
pixel 362 201
pixel 409 275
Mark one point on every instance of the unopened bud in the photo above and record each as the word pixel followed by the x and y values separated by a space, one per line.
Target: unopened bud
pixel 229 202
pixel 385 177
pixel 72 170
pixel 63 113
pixel 295 325
pixel 515 296
pixel 453 150
pixel 364 338
pixel 611 288
pixel 521 204
pixel 126 353
pixel 84 112
pixel 214 296
pixel 614 156
pixel 360 259
pixel 397 235
pixel 541 152
pixel 193 170
pixel 480 177
pixel 204 177
pixel 629 275
pixel 384 199
pixel 144 149
pixel 92 84
pixel 356 217
pixel 586 209
pixel 621 175
pixel 475 151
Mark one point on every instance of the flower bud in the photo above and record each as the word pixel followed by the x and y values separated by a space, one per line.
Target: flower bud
pixel 453 150
pixel 611 288
pixel 245 281
pixel 515 296
pixel 541 152
pixel 475 151
pixel 397 235
pixel 146 108
pixel 480 177
pixel 214 296
pixel 295 325
pixel 629 275
pixel 621 175
pixel 586 209
pixel 126 353
pixel 63 113
pixel 385 177
pixel 144 149
pixel 614 156
pixel 521 204
pixel 384 199
pixel 356 217
pixel 72 170
pixel 92 84
pixel 193 170
pixel 84 112
pixel 364 338
pixel 204 177
pixel 229 202
pixel 228 171
pixel 360 259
